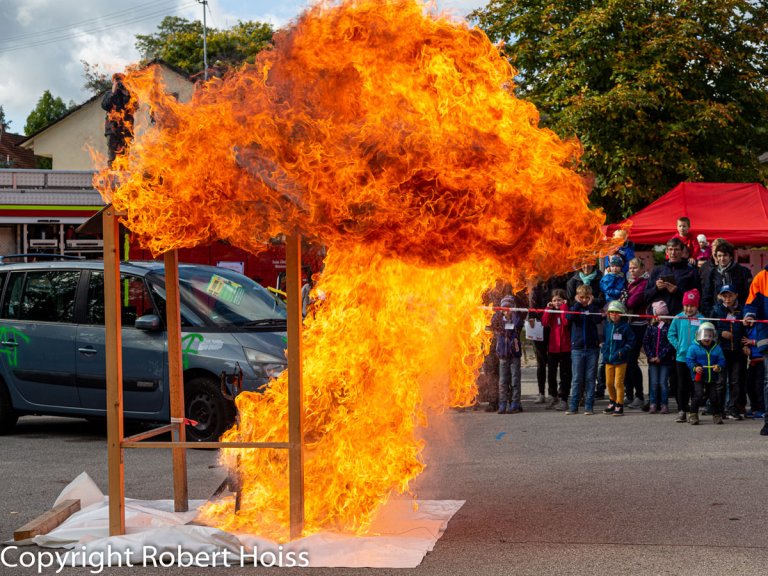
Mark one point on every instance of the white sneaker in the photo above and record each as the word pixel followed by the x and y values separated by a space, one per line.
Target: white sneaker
pixel 553 403
pixel 540 399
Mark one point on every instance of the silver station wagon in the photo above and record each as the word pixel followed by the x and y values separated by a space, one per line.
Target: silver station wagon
pixel 52 345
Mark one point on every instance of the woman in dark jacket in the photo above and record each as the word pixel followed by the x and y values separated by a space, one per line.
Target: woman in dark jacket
pixel 634 299
pixel 589 275
pixel 726 272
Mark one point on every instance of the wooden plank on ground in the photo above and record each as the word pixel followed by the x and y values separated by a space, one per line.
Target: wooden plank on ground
pixel 48 521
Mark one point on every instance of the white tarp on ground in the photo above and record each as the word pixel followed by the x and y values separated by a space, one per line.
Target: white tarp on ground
pixel 400 537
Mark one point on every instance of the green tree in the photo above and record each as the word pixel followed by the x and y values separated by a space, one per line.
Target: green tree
pixel 4 124
pixel 47 111
pixel 179 42
pixel 96 81
pixel 657 91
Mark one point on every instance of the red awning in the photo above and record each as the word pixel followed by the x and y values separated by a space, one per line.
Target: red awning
pixel 736 212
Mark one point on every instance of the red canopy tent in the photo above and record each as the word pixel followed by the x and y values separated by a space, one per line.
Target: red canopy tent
pixel 736 212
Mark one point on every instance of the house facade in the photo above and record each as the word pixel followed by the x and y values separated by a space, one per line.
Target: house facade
pixel 40 209
pixel 77 142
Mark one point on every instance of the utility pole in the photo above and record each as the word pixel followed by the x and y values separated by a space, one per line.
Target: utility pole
pixel 205 41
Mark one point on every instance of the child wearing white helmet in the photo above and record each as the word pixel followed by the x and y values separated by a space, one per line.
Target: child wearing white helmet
pixel 706 361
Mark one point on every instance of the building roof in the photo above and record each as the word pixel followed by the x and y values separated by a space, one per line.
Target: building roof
pixel 12 155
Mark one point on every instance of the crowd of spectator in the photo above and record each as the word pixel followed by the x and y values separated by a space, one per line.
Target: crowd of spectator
pixel 698 318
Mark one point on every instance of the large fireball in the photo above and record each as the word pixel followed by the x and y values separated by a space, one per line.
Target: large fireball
pixel 392 136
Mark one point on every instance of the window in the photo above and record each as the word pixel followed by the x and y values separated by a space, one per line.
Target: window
pixel 3 276
pixel 47 296
pixel 134 298
pixel 13 295
pixel 219 297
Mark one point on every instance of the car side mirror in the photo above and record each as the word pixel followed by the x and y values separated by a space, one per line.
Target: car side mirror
pixel 148 322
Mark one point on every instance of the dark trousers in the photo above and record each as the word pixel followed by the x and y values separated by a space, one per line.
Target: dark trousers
pixel 684 386
pixel 714 392
pixel 488 385
pixel 673 382
pixel 540 349
pixel 633 384
pixel 755 382
pixel 600 385
pixel 562 360
pixel 734 381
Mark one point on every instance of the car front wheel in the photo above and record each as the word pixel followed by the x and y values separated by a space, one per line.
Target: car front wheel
pixel 204 403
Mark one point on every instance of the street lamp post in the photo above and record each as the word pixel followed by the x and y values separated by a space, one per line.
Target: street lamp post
pixel 205 41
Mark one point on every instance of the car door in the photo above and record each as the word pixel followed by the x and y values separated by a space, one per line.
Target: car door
pixel 144 391
pixel 37 338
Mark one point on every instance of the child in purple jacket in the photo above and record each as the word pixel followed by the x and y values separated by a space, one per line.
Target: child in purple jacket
pixel 661 358
pixel 507 325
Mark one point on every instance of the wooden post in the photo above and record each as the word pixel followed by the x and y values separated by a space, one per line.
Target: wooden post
pixel 114 361
pixel 295 387
pixel 176 379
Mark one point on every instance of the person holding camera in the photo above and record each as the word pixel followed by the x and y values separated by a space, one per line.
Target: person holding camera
pixel 669 281
pixel 558 347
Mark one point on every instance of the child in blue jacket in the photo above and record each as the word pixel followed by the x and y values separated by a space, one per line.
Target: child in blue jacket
pixel 706 361
pixel 619 340
pixel 729 336
pixel 613 282
pixel 584 319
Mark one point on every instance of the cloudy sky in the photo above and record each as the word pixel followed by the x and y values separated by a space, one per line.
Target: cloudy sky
pixel 43 41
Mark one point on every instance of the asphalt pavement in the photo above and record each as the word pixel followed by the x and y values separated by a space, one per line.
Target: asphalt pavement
pixel 545 493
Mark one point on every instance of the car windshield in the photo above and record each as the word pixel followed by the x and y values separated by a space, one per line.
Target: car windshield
pixel 220 297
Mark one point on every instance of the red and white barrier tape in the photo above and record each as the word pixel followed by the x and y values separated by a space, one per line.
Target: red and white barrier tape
pixel 649 316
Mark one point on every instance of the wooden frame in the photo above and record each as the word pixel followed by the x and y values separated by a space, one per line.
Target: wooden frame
pixel 114 359
pixel 116 443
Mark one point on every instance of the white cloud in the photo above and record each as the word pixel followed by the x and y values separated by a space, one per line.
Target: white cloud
pixel 27 12
pixel 110 53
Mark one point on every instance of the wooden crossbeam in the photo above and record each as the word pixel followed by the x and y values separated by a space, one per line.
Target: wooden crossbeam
pixel 48 521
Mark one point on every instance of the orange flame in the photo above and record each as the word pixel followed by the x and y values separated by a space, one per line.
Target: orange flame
pixel 392 136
